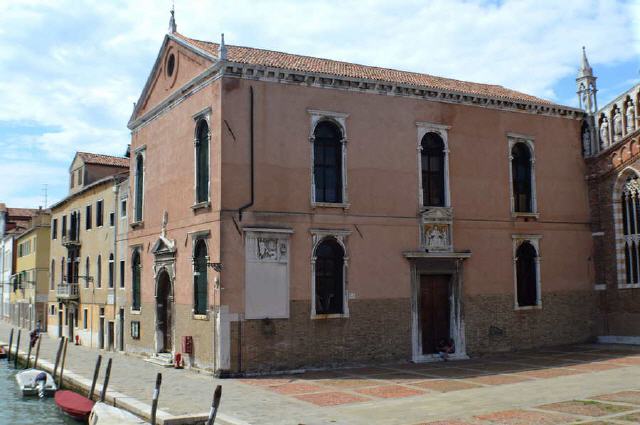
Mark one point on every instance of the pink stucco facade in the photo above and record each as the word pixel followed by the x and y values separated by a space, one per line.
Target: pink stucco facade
pixel 379 224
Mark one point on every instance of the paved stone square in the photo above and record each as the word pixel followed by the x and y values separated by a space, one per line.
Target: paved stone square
pixel 581 384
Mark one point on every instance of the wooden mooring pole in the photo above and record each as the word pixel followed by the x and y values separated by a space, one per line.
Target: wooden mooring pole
pixel 96 371
pixel 15 357
pixel 28 355
pixel 107 373
pixel 64 358
pixel 156 395
pixel 58 353
pixel 217 395
pixel 35 362
pixel 9 349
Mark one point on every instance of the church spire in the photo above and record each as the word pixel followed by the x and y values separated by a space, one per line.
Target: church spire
pixel 586 86
pixel 585 69
pixel 172 20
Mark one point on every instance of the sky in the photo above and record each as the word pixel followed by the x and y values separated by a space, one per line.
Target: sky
pixel 71 70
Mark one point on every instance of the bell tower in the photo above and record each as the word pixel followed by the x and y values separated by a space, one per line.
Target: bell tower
pixel 586 85
pixel 586 90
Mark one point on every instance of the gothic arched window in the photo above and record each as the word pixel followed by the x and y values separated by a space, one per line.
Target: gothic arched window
pixel 200 278
pixel 87 272
pixel 202 161
pixel 135 280
pixel 99 272
pixel 432 160
pixel 139 187
pixel 327 162
pixel 329 278
pixel 526 275
pixel 52 274
pixel 111 270
pixel 521 175
pixel 630 203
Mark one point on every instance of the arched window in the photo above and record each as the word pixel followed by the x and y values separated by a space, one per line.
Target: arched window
pixel 521 178
pixel 432 161
pixel 630 203
pixel 87 272
pixel 135 280
pixel 52 275
pixel 111 270
pixel 526 275
pixel 99 272
pixel 327 163
pixel 202 161
pixel 200 277
pixel 329 278
pixel 139 187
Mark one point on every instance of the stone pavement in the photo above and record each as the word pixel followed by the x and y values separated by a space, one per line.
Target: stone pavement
pixel 586 384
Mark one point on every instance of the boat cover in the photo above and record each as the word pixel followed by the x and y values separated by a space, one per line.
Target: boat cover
pixel 74 404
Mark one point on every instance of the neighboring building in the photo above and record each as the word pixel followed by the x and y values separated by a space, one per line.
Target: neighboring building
pixel 30 283
pixel 611 137
pixel 289 211
pixel 12 222
pixel 84 294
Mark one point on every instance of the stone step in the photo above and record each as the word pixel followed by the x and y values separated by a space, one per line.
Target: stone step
pixel 161 359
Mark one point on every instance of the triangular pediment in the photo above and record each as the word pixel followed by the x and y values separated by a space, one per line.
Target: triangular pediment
pixel 163 246
pixel 167 75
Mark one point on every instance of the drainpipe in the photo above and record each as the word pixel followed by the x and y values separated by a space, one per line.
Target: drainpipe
pixel 116 262
pixel 244 207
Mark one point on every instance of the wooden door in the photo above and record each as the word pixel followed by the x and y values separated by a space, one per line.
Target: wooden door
pixel 434 311
pixel 164 312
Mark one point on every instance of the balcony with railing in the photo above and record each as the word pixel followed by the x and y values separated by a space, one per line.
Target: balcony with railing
pixel 67 291
pixel 70 240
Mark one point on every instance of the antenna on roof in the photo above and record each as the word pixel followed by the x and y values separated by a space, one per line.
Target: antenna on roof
pixel 172 20
pixel 44 193
pixel 223 50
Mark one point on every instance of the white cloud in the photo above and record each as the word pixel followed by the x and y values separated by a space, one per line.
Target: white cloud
pixel 74 68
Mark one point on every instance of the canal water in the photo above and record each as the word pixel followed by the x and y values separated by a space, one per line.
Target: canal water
pixel 18 410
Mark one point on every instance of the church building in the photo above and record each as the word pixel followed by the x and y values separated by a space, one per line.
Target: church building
pixel 289 212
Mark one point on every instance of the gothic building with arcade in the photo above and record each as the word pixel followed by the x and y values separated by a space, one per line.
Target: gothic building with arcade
pixel 611 144
pixel 289 211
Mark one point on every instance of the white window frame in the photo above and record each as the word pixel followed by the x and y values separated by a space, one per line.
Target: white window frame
pixel 317 236
pixel 142 150
pixel 442 131
pixel 513 139
pixel 534 240
pixel 339 119
pixel 205 115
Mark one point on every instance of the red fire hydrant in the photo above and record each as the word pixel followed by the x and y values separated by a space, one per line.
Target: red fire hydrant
pixel 178 363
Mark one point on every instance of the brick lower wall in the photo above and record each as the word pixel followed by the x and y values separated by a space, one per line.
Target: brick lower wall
pixel 622 307
pixel 377 330
pixel 493 325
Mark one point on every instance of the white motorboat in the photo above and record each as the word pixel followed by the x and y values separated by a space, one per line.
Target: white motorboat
pixel 103 414
pixel 29 386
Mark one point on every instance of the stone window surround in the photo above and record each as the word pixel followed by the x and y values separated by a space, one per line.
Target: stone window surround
pixel 203 235
pixel 142 150
pixel 139 248
pixel 338 118
pixel 534 240
pixel 442 131
pixel 340 235
pixel 205 115
pixel 514 138
pixel 618 227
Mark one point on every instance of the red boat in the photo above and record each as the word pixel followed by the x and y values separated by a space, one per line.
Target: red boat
pixel 3 352
pixel 74 405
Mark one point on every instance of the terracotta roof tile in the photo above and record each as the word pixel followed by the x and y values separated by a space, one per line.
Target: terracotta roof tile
pixel 270 58
pixel 99 159
pixel 21 212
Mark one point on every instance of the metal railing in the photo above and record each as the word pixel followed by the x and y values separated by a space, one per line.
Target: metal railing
pixel 67 290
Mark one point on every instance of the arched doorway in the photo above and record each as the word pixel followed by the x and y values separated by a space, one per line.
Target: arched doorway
pixel 163 313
